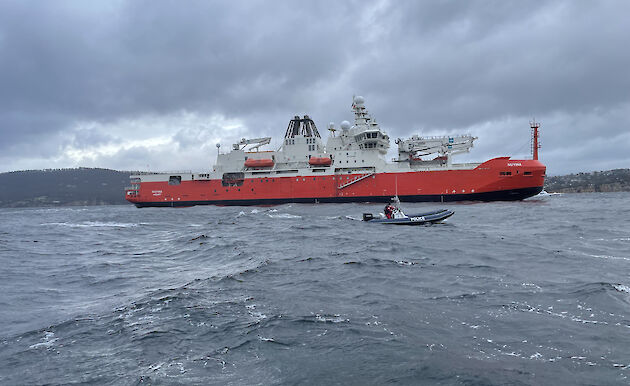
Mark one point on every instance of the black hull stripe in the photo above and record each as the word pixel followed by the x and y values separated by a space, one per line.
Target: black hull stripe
pixel 501 195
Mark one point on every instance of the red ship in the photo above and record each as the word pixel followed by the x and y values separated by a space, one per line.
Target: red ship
pixel 351 167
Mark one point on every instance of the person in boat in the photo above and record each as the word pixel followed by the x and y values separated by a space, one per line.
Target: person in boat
pixel 389 211
pixel 393 211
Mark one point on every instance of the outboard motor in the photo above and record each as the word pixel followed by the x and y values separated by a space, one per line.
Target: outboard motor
pixel 367 216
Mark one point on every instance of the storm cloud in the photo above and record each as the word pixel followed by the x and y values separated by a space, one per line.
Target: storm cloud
pixel 156 84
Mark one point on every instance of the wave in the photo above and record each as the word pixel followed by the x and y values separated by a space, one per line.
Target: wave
pixel 606 257
pixel 594 288
pixel 622 288
pixel 272 213
pixel 284 215
pixel 200 237
pixel 544 193
pixel 93 224
pixel 46 342
pixel 472 266
pixel 466 295
pixel 323 318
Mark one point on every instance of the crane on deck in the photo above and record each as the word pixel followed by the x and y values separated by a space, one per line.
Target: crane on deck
pixel 256 142
pixel 415 147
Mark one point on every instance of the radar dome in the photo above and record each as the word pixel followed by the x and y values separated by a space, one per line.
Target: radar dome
pixel 345 125
pixel 359 100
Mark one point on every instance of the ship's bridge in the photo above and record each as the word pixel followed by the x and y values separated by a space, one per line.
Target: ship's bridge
pixel 372 139
pixel 367 133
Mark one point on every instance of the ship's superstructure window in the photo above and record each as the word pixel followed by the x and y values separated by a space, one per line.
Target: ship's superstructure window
pixel 175 180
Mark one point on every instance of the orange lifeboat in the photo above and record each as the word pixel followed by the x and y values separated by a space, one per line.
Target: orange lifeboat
pixel 258 163
pixel 320 161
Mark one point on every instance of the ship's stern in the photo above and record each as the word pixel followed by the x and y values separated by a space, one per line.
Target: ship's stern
pixel 132 193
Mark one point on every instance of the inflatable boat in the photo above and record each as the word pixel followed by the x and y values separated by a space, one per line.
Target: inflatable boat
pixel 399 218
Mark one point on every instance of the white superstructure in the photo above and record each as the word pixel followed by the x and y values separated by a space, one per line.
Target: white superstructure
pixel 360 147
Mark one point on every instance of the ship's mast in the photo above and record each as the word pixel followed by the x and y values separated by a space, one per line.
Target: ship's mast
pixel 535 145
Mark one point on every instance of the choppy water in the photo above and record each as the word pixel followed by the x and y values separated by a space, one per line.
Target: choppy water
pixel 533 292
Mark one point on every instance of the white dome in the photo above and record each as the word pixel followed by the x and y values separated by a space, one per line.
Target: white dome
pixel 358 100
pixel 345 125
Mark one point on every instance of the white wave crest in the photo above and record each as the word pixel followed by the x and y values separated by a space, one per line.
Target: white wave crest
pixel 284 215
pixel 92 224
pixel 546 194
pixel 335 318
pixel 47 341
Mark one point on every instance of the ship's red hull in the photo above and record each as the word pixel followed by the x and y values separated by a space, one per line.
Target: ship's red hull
pixel 498 179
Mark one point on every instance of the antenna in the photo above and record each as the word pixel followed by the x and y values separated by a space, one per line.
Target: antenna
pixel 396 200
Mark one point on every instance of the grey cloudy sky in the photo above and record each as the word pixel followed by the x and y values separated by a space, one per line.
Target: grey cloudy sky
pixel 137 85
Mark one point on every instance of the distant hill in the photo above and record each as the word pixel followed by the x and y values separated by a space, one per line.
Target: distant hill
pixel 94 186
pixel 60 187
pixel 617 180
